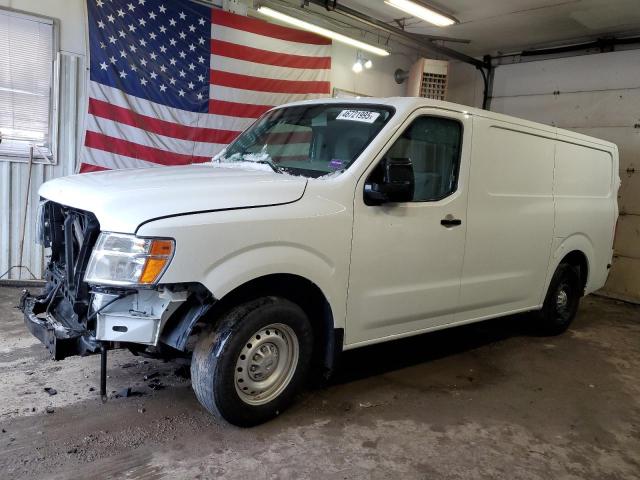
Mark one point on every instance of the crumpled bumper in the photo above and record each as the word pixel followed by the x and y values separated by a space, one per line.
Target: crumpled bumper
pixel 61 339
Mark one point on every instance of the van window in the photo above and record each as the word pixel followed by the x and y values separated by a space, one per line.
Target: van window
pixel 433 146
pixel 310 140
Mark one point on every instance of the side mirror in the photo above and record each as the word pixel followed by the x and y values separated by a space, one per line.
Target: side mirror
pixel 397 183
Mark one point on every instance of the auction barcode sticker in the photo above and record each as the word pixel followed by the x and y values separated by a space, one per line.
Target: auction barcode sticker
pixel 358 116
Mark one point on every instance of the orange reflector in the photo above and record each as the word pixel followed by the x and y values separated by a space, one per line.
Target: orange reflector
pixel 152 269
pixel 160 253
pixel 161 247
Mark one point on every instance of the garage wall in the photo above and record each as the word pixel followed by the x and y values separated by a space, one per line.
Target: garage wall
pixel 597 95
pixel 15 188
pixel 16 192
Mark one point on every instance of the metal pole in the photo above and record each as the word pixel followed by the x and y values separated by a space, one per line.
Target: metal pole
pixel 26 207
pixel 103 372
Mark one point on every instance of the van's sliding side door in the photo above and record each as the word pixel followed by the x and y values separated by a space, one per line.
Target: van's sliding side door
pixel 406 260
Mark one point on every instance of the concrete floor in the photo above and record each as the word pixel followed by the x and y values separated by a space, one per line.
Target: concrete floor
pixel 482 401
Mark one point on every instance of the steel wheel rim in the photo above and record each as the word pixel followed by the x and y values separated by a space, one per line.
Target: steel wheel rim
pixel 564 300
pixel 266 364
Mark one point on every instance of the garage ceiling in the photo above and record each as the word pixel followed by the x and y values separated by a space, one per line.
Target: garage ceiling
pixel 512 25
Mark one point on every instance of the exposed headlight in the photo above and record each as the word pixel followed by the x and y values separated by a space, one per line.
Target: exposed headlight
pixel 119 259
pixel 41 227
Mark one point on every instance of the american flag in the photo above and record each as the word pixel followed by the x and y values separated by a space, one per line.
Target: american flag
pixel 172 82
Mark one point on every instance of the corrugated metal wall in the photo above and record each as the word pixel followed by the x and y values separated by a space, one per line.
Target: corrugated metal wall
pixel 14 176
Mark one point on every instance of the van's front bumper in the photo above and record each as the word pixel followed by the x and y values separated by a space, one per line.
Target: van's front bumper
pixel 61 339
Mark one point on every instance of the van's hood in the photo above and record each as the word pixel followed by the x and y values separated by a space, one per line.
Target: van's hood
pixel 123 199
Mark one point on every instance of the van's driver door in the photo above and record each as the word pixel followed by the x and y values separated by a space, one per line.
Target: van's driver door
pixel 406 259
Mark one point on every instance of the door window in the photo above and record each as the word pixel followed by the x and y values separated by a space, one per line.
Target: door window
pixel 433 145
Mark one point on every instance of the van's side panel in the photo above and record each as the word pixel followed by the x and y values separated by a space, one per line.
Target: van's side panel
pixel 510 219
pixel 585 189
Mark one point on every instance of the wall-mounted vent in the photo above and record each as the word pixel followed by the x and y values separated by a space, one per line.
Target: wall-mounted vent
pixel 428 78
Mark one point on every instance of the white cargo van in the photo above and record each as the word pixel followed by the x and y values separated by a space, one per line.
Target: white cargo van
pixel 326 226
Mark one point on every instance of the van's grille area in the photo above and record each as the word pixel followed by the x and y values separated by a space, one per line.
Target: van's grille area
pixel 71 235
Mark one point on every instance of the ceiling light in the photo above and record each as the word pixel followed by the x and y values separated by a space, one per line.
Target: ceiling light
pixel 368 64
pixel 357 67
pixel 420 11
pixel 310 27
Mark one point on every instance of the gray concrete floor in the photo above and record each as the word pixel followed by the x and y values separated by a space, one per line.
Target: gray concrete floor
pixel 484 401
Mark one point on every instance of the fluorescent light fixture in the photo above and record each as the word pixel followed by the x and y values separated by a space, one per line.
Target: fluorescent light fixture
pixel 310 27
pixel 420 11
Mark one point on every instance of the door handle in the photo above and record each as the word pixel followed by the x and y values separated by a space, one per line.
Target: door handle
pixel 449 221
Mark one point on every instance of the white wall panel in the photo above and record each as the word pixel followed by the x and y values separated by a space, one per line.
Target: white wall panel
pixel 588 73
pixel 602 109
pixel 465 84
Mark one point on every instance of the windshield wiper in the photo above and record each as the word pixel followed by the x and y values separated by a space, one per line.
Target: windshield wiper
pixel 271 164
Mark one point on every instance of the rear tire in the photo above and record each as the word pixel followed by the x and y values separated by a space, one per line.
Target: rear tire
pixel 562 301
pixel 248 369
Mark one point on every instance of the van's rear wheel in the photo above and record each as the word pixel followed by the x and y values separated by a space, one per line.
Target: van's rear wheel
pixel 562 300
pixel 250 367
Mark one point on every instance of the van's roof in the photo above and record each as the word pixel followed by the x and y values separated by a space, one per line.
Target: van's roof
pixel 408 104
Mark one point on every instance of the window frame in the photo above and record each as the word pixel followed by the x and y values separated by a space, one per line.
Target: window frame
pixel 49 157
pixel 458 160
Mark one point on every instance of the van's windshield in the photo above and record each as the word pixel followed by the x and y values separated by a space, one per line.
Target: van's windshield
pixel 309 140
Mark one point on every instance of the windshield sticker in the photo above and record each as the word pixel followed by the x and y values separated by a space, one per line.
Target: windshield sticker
pixel 358 116
pixel 336 164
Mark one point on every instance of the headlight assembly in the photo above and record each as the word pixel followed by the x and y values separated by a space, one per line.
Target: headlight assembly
pixel 126 260
pixel 41 226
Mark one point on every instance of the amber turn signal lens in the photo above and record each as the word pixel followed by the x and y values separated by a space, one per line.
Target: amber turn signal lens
pixel 161 247
pixel 152 269
pixel 159 255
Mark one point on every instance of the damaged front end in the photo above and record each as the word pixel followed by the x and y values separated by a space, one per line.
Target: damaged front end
pixel 95 295
pixel 58 316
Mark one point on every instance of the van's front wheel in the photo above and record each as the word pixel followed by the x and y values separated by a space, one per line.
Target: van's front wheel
pixel 249 368
pixel 562 300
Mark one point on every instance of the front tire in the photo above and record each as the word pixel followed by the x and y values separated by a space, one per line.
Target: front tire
pixel 562 301
pixel 249 368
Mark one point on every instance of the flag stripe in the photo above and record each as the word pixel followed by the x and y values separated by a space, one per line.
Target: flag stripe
pixel 118 97
pixel 88 168
pixel 162 127
pixel 218 92
pixel 233 109
pixel 281 138
pixel 247 39
pixel 234 65
pixel 250 54
pixel 144 137
pixel 220 17
pixel 108 160
pixel 247 82
pixel 141 152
